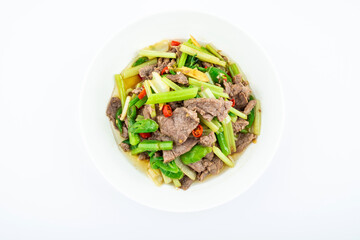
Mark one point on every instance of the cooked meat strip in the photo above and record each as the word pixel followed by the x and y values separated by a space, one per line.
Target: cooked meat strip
pixel 175 105
pixel 137 90
pixel 239 125
pixel 178 150
pixel 175 49
pixel 143 156
pixel 161 63
pixel 159 136
pixel 206 64
pixel 208 140
pixel 209 108
pixel 113 106
pixel 146 72
pixel 198 166
pixel 211 167
pixel 125 147
pixel 146 111
pixel 243 141
pixel 239 92
pixel 179 125
pixel 125 133
pixel 249 107
pixel 185 182
pixel 178 78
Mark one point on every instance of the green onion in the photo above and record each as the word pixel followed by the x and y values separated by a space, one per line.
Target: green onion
pixel 238 113
pixel 213 50
pixel 172 72
pixel 121 88
pixel 133 101
pixel 182 60
pixel 130 72
pixel 151 53
pixel 226 160
pixel 170 83
pixel 201 55
pixel 257 121
pixel 152 145
pixel 172 96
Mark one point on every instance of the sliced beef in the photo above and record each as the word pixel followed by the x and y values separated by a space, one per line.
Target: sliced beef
pixel 208 140
pixel 146 111
pixel 239 92
pixel 237 79
pixel 137 90
pixel 161 63
pixel 178 78
pixel 211 167
pixel 175 49
pixel 178 150
pixel 244 140
pixel 125 133
pixel 198 166
pixel 239 125
pixel 179 125
pixel 209 108
pixel 249 107
pixel 113 106
pixel 209 156
pixel 143 156
pixel 125 147
pixel 206 64
pixel 185 182
pixel 175 105
pixel 146 72
pixel 159 136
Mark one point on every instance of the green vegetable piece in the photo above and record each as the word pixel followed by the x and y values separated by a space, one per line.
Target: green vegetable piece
pixel 223 144
pixel 140 60
pixel 134 138
pixel 173 96
pixel 195 154
pixel 170 169
pixel 131 114
pixel 141 102
pixel 144 126
pixel 182 60
pixel 133 101
pixel 152 145
pixel 251 116
pixel 119 123
pixel 234 70
pixel 218 75
pixel 172 72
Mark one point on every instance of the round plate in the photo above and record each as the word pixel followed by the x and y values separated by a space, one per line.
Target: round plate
pixel 121 49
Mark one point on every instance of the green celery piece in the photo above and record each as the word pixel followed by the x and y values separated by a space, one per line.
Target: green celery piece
pixel 151 53
pixel 204 50
pixel 172 96
pixel 221 155
pixel 130 72
pixel 213 50
pixel 182 60
pixel 234 70
pixel 201 55
pixel 139 61
pixel 170 83
pixel 121 88
pixel 238 113
pixel 200 84
pixel 144 126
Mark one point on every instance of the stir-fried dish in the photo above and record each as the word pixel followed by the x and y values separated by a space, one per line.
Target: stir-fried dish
pixel 184 109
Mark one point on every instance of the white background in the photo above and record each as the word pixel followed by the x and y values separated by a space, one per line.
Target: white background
pixel 49 188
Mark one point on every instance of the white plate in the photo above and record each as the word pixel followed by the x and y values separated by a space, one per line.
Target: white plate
pixel 122 48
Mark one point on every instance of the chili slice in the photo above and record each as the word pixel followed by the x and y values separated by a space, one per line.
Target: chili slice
pixel 198 131
pixel 145 135
pixel 167 111
pixel 175 43
pixel 164 70
pixel 233 102
pixel 142 94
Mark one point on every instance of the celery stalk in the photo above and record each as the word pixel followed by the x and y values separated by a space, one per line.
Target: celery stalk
pixel 229 133
pixel 234 70
pixel 220 94
pixel 211 125
pixel 238 113
pixel 201 55
pixel 200 84
pixel 213 50
pixel 170 83
pixel 121 88
pixel 257 121
pixel 194 41
pixel 135 70
pixel 172 96
pixel 204 50
pixel 125 108
pixel 147 88
pixel 225 159
pixel 176 182
pixel 182 60
pixel 151 53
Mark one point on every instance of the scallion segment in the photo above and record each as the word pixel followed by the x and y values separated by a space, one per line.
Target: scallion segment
pixel 151 53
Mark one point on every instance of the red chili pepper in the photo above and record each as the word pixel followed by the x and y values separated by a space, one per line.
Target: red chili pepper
pixel 175 43
pixel 167 111
pixel 145 135
pixel 233 102
pixel 164 70
pixel 142 94
pixel 197 132
pixel 206 67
